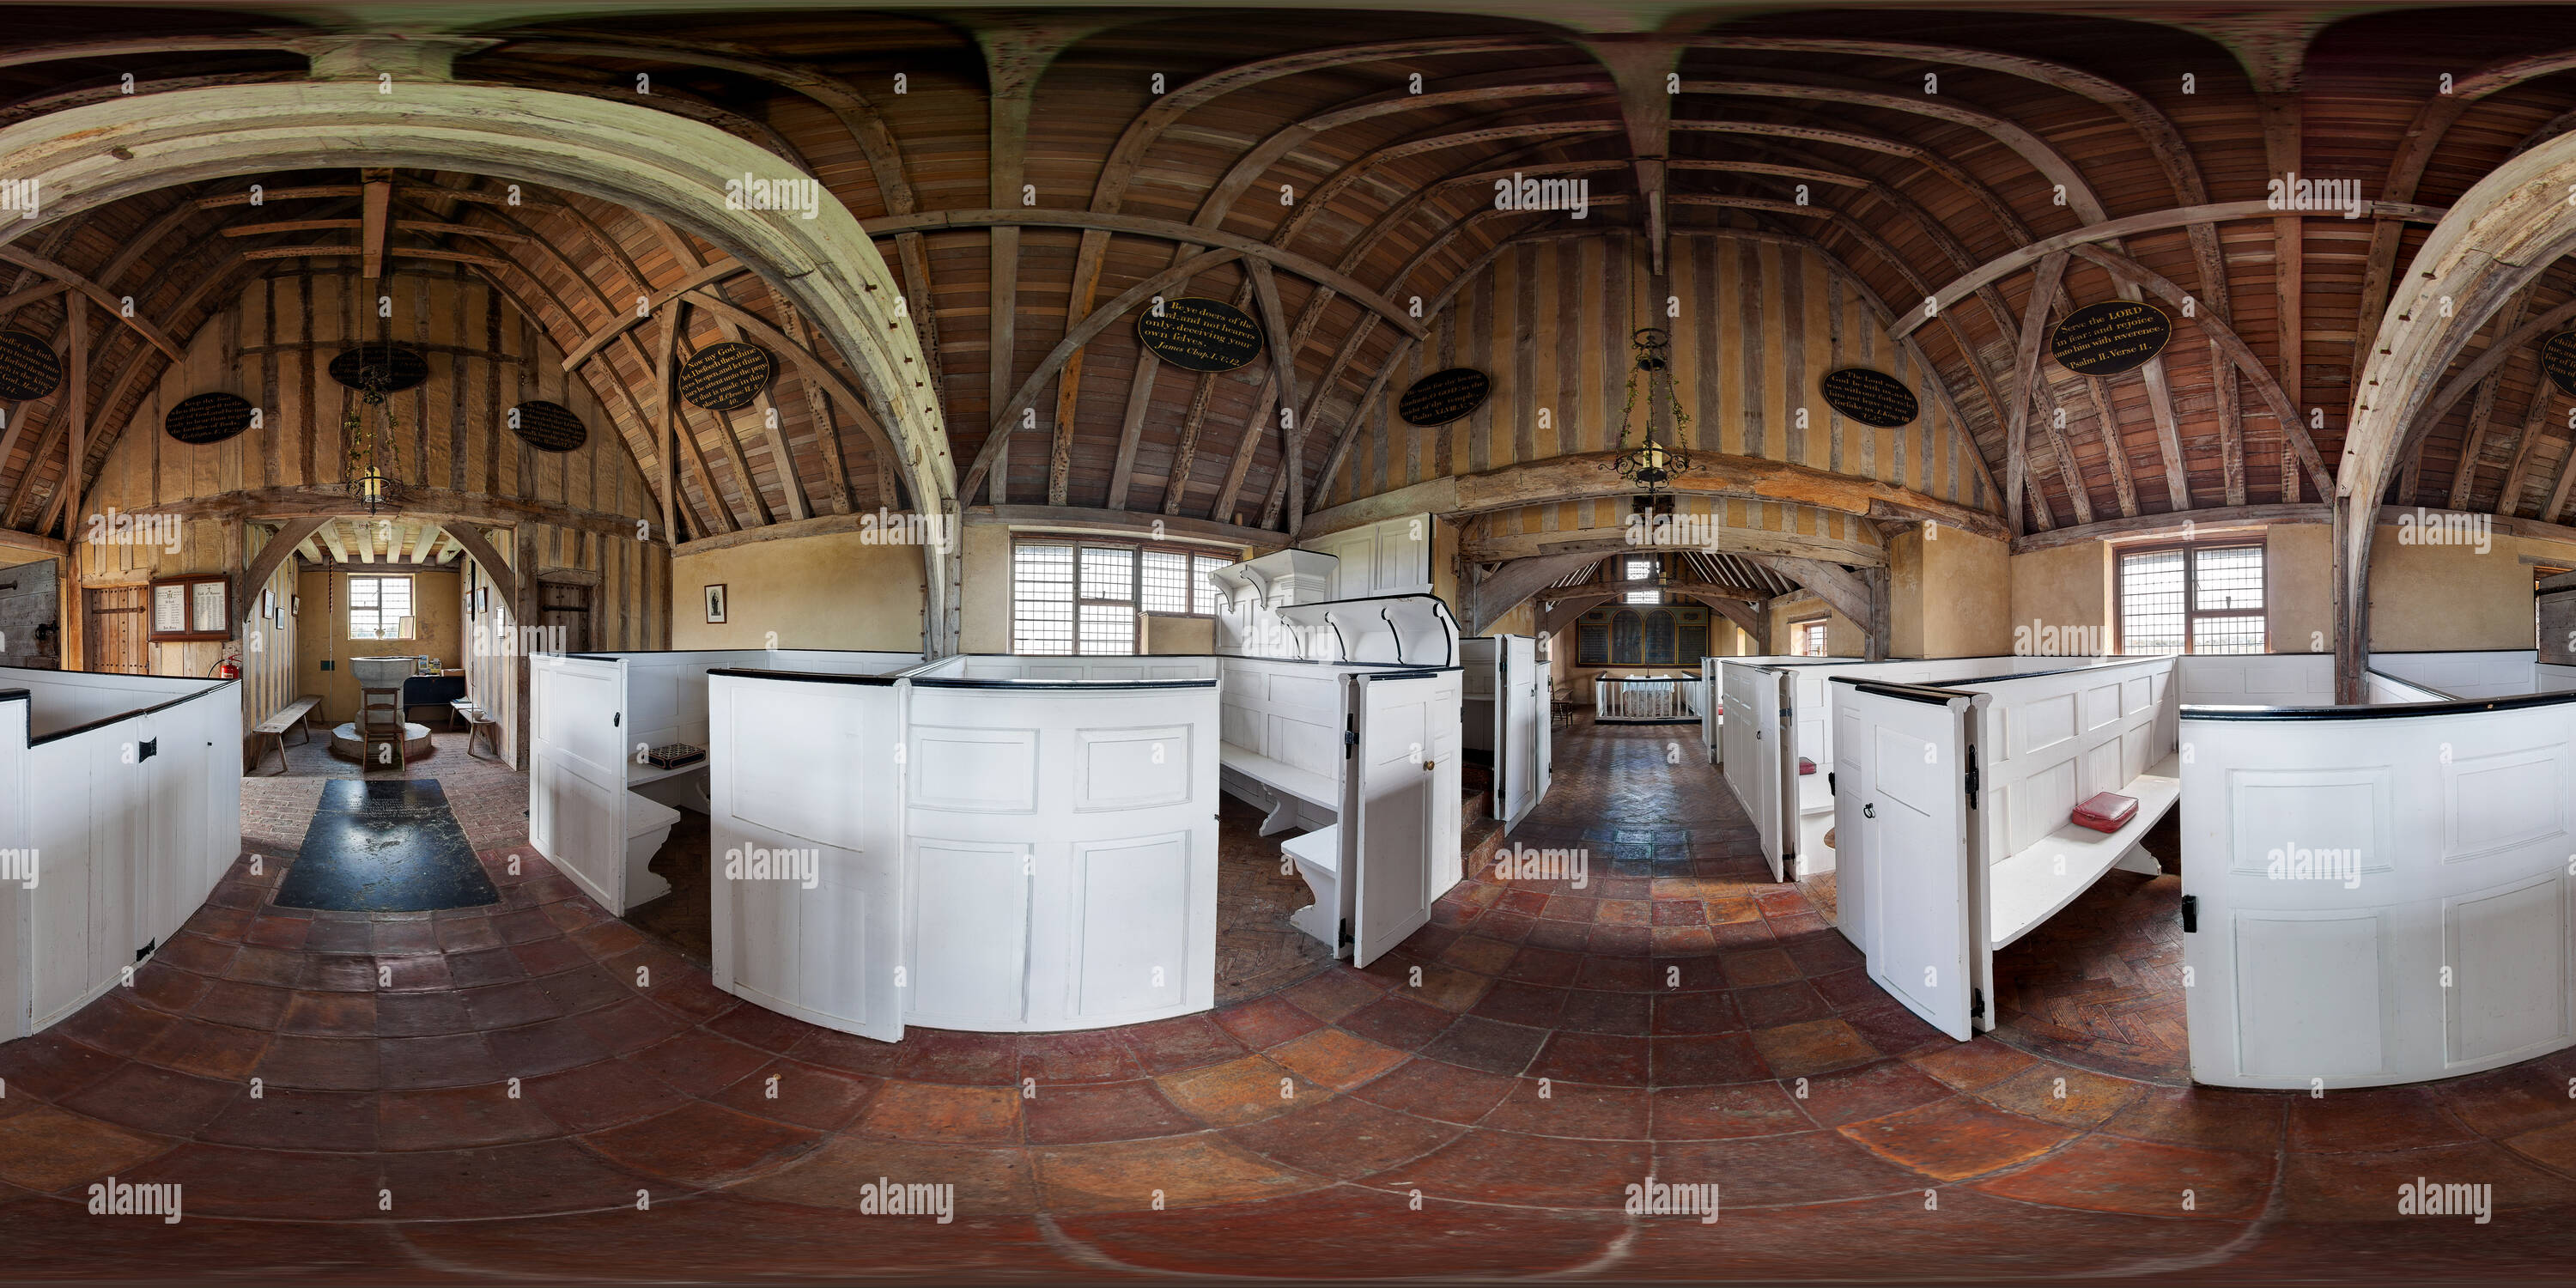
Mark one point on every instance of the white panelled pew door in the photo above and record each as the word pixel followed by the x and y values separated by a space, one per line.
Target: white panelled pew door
pixel 1901 819
pixel 1403 798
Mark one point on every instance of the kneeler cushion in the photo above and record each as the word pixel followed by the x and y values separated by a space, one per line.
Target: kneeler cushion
pixel 2107 811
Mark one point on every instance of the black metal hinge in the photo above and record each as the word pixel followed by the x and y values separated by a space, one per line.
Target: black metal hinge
pixel 1789 865
pixel 146 949
pixel 1350 737
pixel 1972 778
pixel 146 750
pixel 1976 1003
pixel 2191 914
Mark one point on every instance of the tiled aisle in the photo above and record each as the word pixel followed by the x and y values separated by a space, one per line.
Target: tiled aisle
pixel 1515 1066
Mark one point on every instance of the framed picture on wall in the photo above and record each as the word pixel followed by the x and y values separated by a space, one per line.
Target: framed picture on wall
pixel 298 601
pixel 197 607
pixel 716 603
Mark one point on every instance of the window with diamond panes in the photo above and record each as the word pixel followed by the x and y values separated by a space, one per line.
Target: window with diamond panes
pixel 2193 599
pixel 1083 597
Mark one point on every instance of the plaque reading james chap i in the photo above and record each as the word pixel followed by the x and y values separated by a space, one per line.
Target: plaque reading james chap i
pixel 2558 358
pixel 1197 334
pixel 28 367
pixel 1870 397
pixel 548 426
pixel 207 418
pixel 2108 338
pixel 1444 396
pixel 726 376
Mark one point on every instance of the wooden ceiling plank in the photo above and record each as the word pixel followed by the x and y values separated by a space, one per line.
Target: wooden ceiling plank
pixel 375 204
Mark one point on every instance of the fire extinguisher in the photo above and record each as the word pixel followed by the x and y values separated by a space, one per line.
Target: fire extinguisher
pixel 229 668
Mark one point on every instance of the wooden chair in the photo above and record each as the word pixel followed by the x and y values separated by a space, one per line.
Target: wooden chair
pixel 294 715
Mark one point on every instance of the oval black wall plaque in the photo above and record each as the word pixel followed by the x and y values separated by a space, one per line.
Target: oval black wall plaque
pixel 548 427
pixel 28 367
pixel 2108 338
pixel 389 368
pixel 1444 396
pixel 208 418
pixel 2558 358
pixel 1870 397
pixel 1198 334
pixel 726 376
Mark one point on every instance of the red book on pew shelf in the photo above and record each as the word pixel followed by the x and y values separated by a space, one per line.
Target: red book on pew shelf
pixel 1806 766
pixel 2107 811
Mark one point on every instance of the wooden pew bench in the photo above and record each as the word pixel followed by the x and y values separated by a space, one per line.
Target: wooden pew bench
pixel 294 715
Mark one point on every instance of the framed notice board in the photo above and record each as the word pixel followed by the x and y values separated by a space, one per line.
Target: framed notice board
pixel 198 607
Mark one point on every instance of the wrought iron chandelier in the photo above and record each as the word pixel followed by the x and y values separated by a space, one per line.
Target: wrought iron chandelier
pixel 367 481
pixel 1651 463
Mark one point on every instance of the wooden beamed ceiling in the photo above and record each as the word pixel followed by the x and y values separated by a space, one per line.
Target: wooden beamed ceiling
pixel 1032 189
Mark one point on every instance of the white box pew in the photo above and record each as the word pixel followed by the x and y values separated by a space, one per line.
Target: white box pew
pixel 2377 894
pixel 1310 744
pixel 1001 855
pixel 1968 816
pixel 2472 673
pixel 120 808
pixel 1787 705
pixel 591 719
pixel 2382 690
pixel 2256 679
pixel 1503 713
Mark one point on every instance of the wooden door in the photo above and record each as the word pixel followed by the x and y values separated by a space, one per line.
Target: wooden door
pixel 1400 830
pixel 116 629
pixel 563 610
pixel 1905 803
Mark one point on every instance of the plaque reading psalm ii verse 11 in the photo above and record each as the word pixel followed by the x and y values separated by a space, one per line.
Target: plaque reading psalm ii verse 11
pixel 1871 397
pixel 1198 334
pixel 28 367
pixel 2108 338
pixel 726 376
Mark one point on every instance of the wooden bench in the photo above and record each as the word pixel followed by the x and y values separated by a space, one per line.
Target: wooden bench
pixel 478 724
pixel 294 715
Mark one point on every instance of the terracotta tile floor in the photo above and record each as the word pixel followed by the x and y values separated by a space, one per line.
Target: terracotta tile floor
pixel 497 1092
